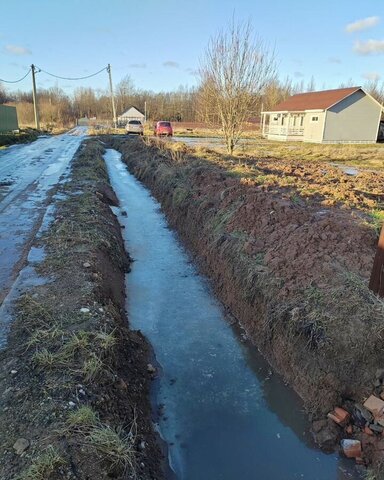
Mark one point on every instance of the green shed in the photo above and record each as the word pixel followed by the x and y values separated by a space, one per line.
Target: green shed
pixel 8 119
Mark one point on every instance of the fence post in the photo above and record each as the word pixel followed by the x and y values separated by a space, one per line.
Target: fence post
pixel 376 283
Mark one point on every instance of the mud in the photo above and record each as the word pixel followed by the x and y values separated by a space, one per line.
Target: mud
pixel 292 269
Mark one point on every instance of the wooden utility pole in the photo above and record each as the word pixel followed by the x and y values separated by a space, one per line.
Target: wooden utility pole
pixel 112 97
pixel 34 95
pixel 376 283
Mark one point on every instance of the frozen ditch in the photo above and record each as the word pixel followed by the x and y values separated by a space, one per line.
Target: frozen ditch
pixel 224 415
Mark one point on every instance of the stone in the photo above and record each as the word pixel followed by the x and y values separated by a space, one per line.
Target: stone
pixel 376 428
pixel 351 448
pixel 13 372
pixel 21 445
pixel 361 416
pixel 151 368
pixel 86 265
pixel 84 310
pixel 368 431
pixel 141 445
pixel 71 404
pixel 374 405
pixel 326 434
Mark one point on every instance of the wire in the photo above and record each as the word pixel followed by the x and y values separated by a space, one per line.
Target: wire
pixel 16 81
pixel 69 78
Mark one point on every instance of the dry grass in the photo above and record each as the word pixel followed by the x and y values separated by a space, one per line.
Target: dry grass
pixel 82 419
pixel 44 466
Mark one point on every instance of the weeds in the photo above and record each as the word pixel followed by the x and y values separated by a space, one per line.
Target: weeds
pixel 82 419
pixel 92 367
pixel 114 445
pixel 44 466
pixel 377 217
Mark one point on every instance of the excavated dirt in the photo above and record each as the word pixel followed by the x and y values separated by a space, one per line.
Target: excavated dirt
pixel 70 347
pixel 290 258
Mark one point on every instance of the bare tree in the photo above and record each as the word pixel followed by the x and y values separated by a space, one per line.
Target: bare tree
pixel 236 68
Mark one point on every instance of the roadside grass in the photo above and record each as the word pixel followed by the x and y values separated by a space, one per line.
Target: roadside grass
pixel 24 136
pixel 44 465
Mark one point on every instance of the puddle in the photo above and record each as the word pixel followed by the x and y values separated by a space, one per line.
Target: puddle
pixel 223 413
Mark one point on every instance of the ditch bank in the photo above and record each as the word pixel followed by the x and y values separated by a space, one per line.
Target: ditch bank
pixel 74 378
pixel 293 272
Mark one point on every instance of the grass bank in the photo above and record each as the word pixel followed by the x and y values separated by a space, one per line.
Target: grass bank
pixel 24 136
pixel 75 401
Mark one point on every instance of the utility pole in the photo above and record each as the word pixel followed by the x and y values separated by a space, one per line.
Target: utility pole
pixel 112 97
pixel 35 108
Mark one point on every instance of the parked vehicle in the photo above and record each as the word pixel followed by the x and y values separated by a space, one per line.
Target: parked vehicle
pixel 135 126
pixel 163 128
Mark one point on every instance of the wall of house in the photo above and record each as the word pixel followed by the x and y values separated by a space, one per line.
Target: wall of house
pixel 354 119
pixel 313 130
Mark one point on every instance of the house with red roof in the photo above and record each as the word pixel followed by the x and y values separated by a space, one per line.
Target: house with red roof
pixel 344 115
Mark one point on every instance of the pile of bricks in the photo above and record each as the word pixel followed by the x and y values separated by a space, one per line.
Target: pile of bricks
pixel 363 428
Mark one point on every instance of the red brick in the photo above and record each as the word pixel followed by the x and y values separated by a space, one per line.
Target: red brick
pixel 339 415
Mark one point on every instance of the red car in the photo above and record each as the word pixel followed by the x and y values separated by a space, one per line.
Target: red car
pixel 163 128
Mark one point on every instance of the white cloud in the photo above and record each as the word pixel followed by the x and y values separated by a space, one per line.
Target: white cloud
pixel 17 50
pixel 362 24
pixel 372 76
pixel 171 64
pixel 369 47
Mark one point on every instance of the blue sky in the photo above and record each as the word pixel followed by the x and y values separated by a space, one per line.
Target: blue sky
pixel 159 42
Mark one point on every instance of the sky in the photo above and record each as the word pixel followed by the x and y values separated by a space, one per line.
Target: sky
pixel 159 43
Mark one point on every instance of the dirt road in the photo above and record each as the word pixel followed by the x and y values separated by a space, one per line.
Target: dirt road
pixel 27 175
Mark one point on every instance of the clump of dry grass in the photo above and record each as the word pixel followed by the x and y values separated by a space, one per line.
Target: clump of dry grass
pixel 82 419
pixel 44 466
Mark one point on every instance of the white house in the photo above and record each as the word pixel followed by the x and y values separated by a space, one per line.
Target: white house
pixel 344 115
pixel 131 114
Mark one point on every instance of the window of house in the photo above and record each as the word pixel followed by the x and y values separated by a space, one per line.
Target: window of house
pixel 282 120
pixel 314 119
pixel 275 119
pixel 301 121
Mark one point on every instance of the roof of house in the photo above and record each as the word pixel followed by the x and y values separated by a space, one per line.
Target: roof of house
pixel 314 100
pixel 127 112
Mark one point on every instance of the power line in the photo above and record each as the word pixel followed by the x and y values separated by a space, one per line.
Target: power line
pixel 16 81
pixel 72 78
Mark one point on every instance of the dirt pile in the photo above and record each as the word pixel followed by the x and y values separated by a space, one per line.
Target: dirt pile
pixel 292 269
pixel 74 379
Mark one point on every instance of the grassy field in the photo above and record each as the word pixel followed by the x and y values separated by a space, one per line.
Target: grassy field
pixel 369 156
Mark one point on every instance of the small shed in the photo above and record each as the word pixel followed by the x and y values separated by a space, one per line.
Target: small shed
pixel 8 119
pixel 132 113
pixel 343 115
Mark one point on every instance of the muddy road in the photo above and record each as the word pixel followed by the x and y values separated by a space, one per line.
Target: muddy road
pixel 27 175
